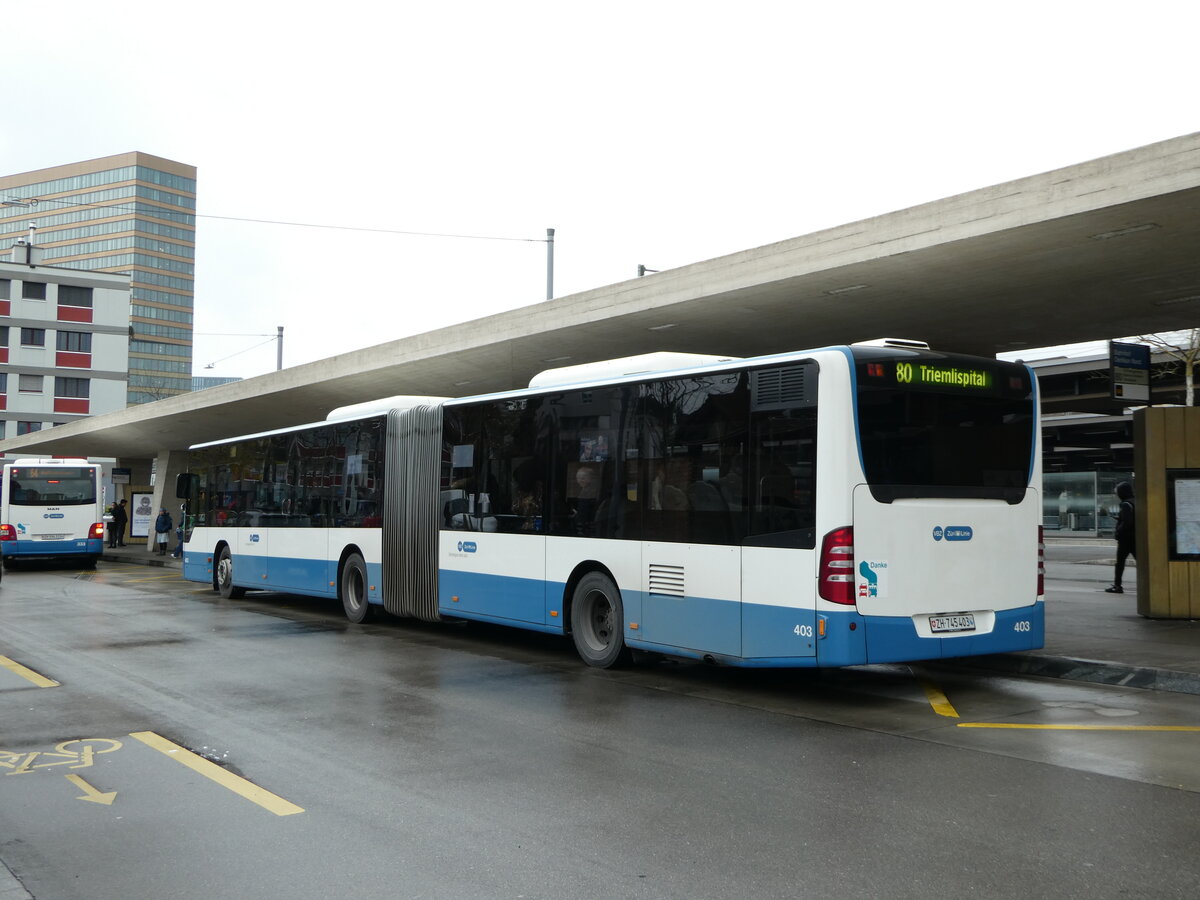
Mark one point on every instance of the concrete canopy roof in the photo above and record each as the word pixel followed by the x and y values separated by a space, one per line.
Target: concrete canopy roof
pixel 1101 249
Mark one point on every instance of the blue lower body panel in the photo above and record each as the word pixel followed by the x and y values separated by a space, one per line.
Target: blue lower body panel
pixel 509 601
pixel 310 577
pixel 45 549
pixel 737 634
pixel 896 639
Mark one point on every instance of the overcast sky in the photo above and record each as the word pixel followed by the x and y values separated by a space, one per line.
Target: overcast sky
pixel 659 133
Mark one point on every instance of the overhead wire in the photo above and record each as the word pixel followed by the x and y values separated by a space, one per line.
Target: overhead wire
pixel 167 213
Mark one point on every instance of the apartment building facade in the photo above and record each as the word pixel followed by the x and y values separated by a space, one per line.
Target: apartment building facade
pixel 131 213
pixel 64 343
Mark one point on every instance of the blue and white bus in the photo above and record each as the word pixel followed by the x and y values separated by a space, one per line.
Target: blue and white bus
pixel 869 503
pixel 51 508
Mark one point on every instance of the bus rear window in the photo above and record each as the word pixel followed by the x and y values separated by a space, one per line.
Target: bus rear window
pixel 51 486
pixel 945 427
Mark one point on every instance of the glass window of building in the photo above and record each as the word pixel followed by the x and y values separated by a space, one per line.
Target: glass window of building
pixel 71 387
pixel 75 341
pixel 70 295
pixel 33 337
pixel 33 290
pixel 30 384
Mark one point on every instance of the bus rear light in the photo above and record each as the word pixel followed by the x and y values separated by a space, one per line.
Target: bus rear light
pixel 835 574
pixel 1041 570
pixel 7 533
pixel 97 531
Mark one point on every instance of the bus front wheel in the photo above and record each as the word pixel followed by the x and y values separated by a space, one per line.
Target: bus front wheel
pixel 353 588
pixel 225 576
pixel 597 621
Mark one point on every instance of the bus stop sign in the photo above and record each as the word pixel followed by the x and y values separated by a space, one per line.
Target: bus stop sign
pixel 1129 365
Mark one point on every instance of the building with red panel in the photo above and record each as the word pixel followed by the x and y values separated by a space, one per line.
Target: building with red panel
pixel 64 342
pixel 134 213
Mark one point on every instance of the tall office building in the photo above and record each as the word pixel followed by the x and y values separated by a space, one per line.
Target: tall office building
pixel 131 213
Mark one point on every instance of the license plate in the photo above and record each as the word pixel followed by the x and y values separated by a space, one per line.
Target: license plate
pixel 958 622
pixel 51 537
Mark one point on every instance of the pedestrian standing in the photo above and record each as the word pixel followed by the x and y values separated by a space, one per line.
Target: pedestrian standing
pixel 162 530
pixel 111 540
pixel 117 529
pixel 1124 534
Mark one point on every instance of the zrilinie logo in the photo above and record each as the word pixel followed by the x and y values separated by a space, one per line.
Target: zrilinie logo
pixel 953 532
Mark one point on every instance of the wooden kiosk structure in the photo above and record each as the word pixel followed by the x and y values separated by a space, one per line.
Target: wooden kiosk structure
pixel 1167 492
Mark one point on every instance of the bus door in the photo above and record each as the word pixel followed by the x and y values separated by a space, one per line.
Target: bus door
pixel 691 596
pixel 940 568
pixel 778 555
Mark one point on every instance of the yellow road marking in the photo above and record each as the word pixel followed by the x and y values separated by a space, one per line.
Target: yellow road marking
pixel 941 705
pixel 1193 728
pixel 28 674
pixel 91 794
pixel 210 770
pixel 175 577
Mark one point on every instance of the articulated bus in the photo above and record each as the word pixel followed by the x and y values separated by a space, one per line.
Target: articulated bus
pixel 51 508
pixel 870 503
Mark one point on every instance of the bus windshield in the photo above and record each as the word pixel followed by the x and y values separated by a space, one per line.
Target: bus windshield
pixel 46 486
pixel 936 425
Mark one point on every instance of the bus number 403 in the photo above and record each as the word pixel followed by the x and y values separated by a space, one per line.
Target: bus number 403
pixel 803 630
pixel 1023 625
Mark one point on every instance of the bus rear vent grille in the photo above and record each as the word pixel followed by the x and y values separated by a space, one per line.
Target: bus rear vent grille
pixel 666 580
pixel 779 388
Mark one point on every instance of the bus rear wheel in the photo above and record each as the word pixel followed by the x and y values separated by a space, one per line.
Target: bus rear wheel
pixel 597 621
pixel 353 589
pixel 225 576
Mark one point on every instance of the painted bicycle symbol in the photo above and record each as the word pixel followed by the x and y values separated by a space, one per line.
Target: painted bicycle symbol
pixel 74 754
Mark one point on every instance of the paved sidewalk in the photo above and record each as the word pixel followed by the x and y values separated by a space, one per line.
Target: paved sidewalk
pixel 136 552
pixel 1099 637
pixel 1090 635
pixel 10 887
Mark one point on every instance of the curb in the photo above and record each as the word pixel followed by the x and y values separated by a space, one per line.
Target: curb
pixel 11 887
pixel 1093 671
pixel 149 560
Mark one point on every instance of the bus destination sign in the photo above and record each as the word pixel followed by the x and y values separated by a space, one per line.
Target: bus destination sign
pixel 927 374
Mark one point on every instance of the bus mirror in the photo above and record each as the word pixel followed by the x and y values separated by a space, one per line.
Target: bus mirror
pixel 186 485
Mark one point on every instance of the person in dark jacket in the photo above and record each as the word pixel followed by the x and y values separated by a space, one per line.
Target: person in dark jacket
pixel 116 530
pixel 162 531
pixel 1124 534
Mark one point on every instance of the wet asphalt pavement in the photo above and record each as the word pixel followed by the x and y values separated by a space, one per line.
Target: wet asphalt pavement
pixel 267 748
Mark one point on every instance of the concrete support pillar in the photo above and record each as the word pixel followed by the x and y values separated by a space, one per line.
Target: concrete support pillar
pixel 1167 498
pixel 168 465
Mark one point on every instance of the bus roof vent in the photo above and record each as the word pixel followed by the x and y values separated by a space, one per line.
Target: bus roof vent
pixel 902 343
pixel 381 406
pixel 645 363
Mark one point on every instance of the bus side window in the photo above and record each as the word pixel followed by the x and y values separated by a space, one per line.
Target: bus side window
pixel 783 488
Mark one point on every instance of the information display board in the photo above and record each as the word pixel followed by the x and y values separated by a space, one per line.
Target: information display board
pixel 1183 513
